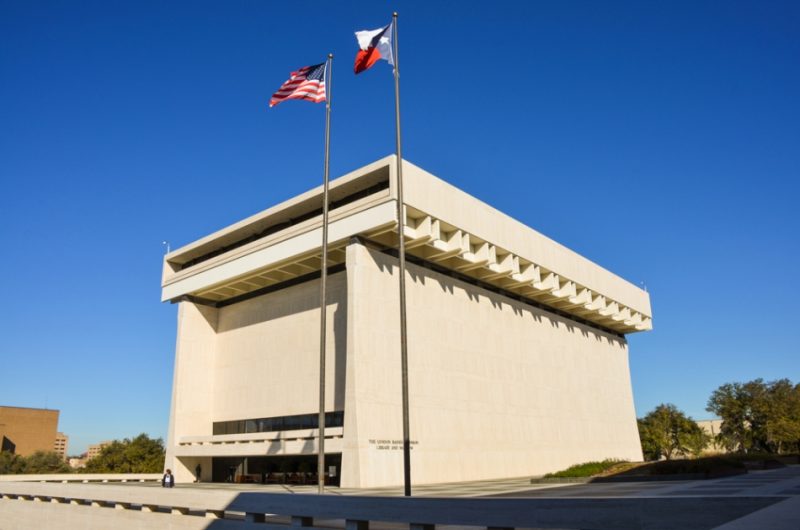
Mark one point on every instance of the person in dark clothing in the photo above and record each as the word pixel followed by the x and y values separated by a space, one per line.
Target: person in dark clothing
pixel 168 480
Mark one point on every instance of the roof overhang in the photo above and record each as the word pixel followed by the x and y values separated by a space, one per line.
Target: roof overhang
pixel 443 226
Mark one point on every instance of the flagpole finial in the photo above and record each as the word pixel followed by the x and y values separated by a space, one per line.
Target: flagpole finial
pixel 330 56
pixel 394 14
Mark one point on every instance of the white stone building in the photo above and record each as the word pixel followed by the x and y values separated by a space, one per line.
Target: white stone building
pixel 518 362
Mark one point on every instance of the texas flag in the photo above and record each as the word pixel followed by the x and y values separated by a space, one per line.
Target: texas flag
pixel 375 44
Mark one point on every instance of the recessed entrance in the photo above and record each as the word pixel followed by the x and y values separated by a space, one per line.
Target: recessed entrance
pixel 295 469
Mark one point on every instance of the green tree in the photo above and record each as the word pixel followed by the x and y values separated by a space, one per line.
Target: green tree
pixel 46 462
pixel 731 404
pixel 695 441
pixel 667 432
pixel 138 455
pixel 11 464
pixel 783 416
pixel 758 416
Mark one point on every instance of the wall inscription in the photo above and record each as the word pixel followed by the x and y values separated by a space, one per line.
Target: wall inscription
pixel 390 445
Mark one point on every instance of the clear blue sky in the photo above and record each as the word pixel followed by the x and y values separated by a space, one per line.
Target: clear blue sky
pixel 660 140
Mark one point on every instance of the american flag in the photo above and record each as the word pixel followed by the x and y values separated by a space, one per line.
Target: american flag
pixel 306 83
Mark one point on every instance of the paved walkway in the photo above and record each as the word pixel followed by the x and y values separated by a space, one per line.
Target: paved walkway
pixel 757 500
pixel 483 488
pixel 776 482
pixel 783 482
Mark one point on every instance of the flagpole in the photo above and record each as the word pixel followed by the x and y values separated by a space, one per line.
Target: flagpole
pixel 402 259
pixel 323 280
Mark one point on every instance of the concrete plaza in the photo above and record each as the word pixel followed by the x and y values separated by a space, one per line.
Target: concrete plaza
pixel 760 499
pixel 757 500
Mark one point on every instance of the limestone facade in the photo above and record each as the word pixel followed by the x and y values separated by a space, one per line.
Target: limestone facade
pixel 518 363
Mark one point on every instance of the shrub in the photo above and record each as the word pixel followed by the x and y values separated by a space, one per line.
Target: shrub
pixel 586 469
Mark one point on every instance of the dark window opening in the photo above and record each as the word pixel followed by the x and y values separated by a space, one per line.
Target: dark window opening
pixel 375 188
pixel 278 423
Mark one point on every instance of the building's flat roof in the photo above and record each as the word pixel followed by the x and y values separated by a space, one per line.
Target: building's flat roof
pixel 28 408
pixel 444 226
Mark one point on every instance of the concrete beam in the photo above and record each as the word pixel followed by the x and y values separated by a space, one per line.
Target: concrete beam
pixel 527 275
pixel 549 282
pixel 479 255
pixel 597 303
pixel 504 267
pixel 565 289
pixel 635 320
pixel 418 232
pixel 623 314
pixel 584 296
pixel 611 308
pixel 445 245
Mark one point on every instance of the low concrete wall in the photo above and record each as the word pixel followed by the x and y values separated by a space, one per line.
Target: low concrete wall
pixel 29 515
pixel 84 477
